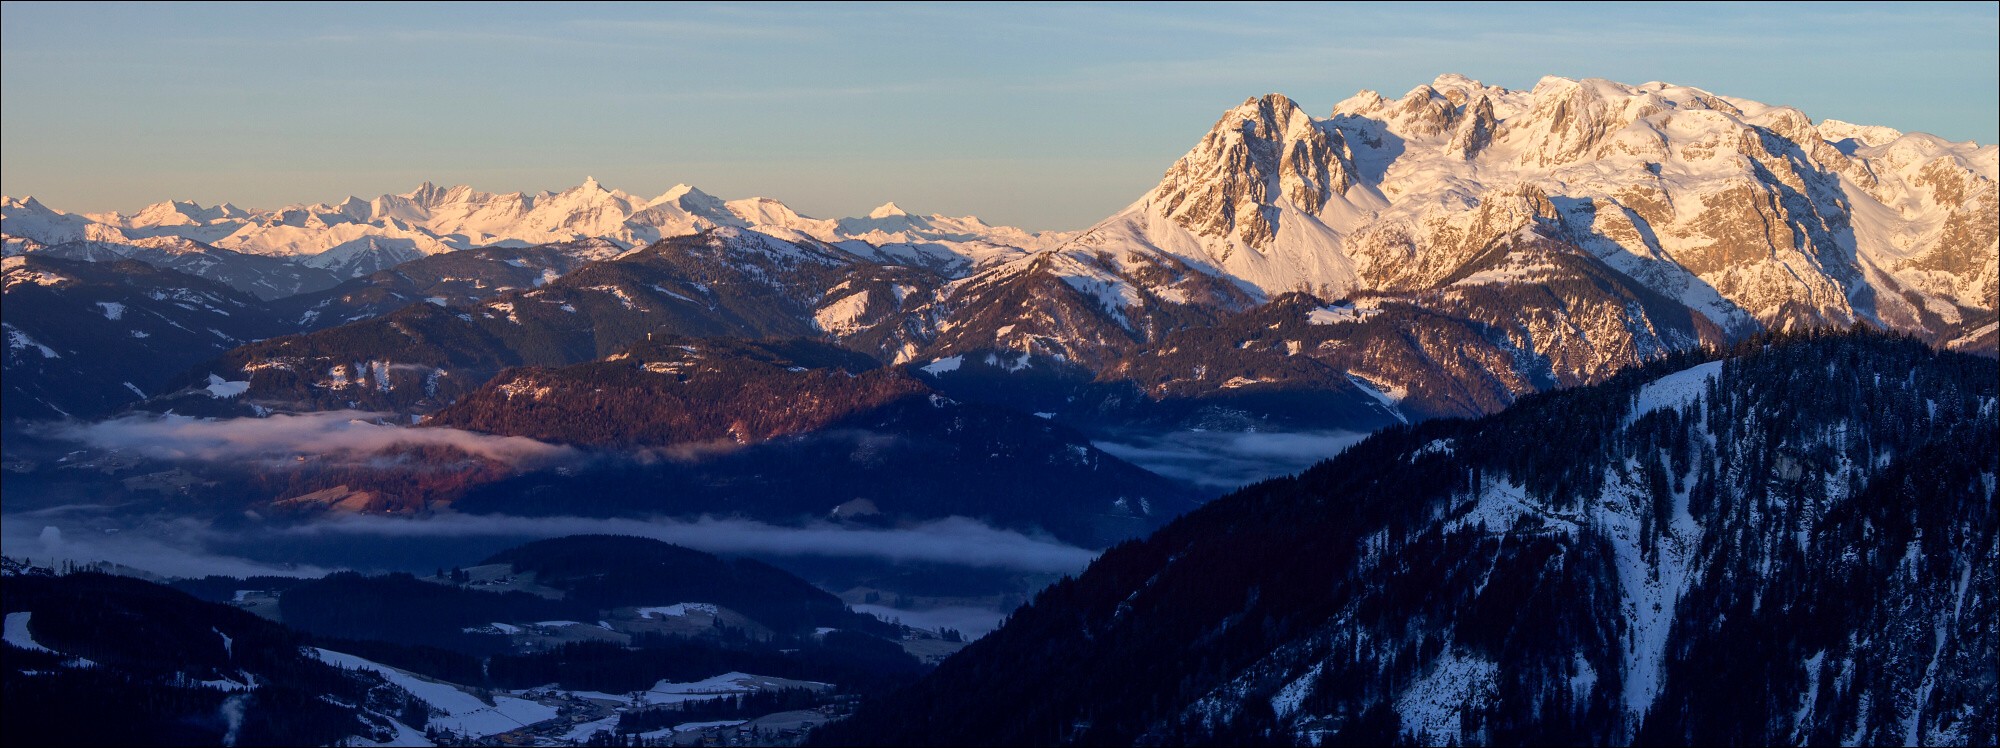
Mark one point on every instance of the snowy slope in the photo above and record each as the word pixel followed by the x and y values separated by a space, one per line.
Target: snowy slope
pixel 452 708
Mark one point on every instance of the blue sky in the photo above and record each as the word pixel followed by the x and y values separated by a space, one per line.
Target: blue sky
pixel 1039 116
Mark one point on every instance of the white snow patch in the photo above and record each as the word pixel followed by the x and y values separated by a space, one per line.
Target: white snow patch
pixel 667 692
pixel 1810 697
pixel 18 273
pixel 1287 699
pixel 1431 705
pixel 1334 315
pixel 18 340
pixel 1501 504
pixel 940 366
pixel 1010 365
pixel 1652 590
pixel 458 711
pixel 693 726
pixel 1388 396
pixel 583 730
pixel 495 627
pixel 678 610
pixel 225 684
pixel 405 737
pixel 844 315
pixel 1112 294
pixel 1585 679
pixel 623 297
pixel 17 633
pixel 219 389
pixel 1677 390
pixel 112 309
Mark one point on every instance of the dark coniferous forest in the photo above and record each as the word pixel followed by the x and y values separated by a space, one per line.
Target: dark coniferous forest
pixel 162 668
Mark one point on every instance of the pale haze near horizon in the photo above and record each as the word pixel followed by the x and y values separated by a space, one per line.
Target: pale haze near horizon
pixel 1045 117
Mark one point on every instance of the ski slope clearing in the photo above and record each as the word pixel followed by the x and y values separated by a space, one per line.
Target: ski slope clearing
pixel 456 710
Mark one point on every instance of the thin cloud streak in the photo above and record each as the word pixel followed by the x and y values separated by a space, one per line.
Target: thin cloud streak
pixel 955 540
pixel 341 433
pixel 191 548
pixel 693 29
pixel 171 549
pixel 1228 460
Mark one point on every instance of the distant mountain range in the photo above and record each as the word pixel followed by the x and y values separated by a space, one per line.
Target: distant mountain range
pixel 355 237
pixel 1441 254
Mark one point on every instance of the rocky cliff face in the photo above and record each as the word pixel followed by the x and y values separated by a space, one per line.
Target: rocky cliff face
pixel 1549 236
pixel 1748 213
pixel 1262 151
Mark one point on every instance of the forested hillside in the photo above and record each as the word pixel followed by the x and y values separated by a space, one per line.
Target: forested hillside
pixel 1794 543
pixel 102 660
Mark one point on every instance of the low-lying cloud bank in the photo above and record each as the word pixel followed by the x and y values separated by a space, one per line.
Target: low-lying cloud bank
pixel 187 548
pixel 955 540
pixel 349 434
pixel 170 549
pixel 1227 459
pixel 970 621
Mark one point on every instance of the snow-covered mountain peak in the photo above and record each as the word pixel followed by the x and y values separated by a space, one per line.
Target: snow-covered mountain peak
pixel 175 213
pixel 681 192
pixel 1454 81
pixel 364 234
pixel 590 189
pixel 692 199
pixel 1362 102
pixel 1267 149
pixel 1835 131
pixel 1268 117
pixel 431 196
pixel 27 218
pixel 1671 185
pixel 764 211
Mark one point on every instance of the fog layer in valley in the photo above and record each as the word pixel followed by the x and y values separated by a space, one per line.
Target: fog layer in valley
pixel 1226 460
